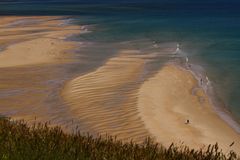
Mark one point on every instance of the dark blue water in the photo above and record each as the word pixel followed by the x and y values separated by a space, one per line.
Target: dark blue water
pixel 208 31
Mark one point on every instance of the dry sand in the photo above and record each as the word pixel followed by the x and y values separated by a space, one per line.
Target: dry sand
pixel 171 97
pixel 39 42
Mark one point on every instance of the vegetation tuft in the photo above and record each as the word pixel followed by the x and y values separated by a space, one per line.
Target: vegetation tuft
pixel 41 142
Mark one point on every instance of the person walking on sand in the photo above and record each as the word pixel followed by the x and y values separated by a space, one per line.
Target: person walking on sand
pixel 231 144
pixel 207 80
pixel 178 48
pixel 155 45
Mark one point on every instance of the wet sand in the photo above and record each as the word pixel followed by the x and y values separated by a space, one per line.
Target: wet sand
pixel 173 96
pixel 34 60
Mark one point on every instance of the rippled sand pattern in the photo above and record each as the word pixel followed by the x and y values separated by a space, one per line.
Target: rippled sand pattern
pixel 105 100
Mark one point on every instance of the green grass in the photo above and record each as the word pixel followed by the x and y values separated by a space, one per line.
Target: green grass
pixel 19 141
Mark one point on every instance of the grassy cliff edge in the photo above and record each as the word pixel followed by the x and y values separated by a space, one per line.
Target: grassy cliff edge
pixel 39 141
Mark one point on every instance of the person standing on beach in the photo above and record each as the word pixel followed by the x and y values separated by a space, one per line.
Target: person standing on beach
pixel 155 45
pixel 201 81
pixel 207 80
pixel 188 65
pixel 178 47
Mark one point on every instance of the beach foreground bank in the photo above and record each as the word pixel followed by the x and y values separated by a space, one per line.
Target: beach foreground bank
pixel 173 96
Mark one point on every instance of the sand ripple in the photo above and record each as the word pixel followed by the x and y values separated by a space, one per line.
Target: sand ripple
pixel 105 100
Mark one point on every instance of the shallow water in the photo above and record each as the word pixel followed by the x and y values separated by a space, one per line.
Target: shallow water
pixel 211 42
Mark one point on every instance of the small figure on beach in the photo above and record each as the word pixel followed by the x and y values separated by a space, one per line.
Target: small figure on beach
pixel 201 81
pixel 207 80
pixel 187 121
pixel 231 144
pixel 82 27
pixel 178 47
pixel 186 60
pixel 155 45
pixel 187 64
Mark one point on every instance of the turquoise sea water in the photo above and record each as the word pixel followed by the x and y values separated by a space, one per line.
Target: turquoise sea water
pixel 208 33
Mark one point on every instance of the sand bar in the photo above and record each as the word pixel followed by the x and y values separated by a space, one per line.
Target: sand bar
pixel 171 97
pixel 105 100
pixel 39 42
pixel 33 51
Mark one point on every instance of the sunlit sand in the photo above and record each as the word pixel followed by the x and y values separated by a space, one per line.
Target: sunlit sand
pixel 113 99
pixel 173 96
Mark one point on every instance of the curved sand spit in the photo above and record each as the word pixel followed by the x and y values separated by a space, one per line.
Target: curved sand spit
pixel 167 100
pixel 105 100
pixel 109 101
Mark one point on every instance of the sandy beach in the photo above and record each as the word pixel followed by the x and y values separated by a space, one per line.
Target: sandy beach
pixel 112 99
pixel 41 41
pixel 159 107
pixel 173 96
